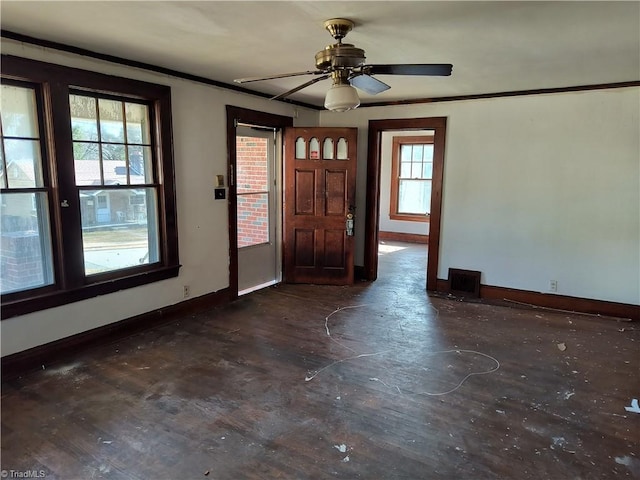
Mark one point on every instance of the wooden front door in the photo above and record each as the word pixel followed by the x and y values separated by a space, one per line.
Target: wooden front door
pixel 319 205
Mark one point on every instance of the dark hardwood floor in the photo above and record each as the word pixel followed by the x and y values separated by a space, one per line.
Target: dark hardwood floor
pixel 373 381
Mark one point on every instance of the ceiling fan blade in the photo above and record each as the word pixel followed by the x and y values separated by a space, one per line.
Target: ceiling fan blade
pixel 368 84
pixel 435 69
pixel 300 87
pixel 280 75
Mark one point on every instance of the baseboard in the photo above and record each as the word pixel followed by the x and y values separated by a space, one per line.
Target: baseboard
pixel 403 237
pixel 553 301
pixel 57 351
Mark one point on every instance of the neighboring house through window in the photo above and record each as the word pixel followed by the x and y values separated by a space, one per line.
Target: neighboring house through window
pixel 97 214
pixel 411 178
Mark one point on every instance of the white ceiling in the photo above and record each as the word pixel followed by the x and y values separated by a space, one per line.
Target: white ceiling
pixel 493 46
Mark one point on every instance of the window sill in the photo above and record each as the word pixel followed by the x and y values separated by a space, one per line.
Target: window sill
pixel 58 298
pixel 409 218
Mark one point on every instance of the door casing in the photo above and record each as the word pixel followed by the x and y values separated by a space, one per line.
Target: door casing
pixel 237 115
pixel 376 127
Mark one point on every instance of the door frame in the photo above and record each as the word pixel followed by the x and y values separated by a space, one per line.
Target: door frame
pixel 374 161
pixel 237 115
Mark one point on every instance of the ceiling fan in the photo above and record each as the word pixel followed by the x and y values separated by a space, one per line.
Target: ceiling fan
pixel 345 64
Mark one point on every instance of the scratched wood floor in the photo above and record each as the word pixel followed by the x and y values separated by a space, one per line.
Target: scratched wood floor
pixel 396 385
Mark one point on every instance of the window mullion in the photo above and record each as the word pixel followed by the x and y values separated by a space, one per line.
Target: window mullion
pixel 67 202
pixel 99 141
pixel 127 167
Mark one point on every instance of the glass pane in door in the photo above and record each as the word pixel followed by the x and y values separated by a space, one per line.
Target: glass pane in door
pixel 253 190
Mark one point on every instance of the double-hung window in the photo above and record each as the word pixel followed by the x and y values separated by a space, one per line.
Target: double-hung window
pixel 26 260
pixel 116 188
pixel 87 185
pixel 411 178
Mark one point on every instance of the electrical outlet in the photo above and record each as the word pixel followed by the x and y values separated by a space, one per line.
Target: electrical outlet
pixel 185 290
pixel 553 285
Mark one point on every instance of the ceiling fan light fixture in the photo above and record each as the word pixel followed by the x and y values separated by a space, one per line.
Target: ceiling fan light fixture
pixel 345 64
pixel 341 97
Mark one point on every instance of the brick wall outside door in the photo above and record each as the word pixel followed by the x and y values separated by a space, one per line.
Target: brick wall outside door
pixel 253 185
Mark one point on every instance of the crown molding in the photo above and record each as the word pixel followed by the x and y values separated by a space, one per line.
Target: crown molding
pixel 142 65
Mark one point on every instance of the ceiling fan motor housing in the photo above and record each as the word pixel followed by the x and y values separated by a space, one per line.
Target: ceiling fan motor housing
pixel 340 55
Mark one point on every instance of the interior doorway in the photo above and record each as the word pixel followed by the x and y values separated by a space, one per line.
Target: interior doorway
pixel 374 168
pixel 406 168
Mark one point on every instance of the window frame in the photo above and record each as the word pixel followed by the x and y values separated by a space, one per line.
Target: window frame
pixel 53 84
pixel 46 188
pixel 397 143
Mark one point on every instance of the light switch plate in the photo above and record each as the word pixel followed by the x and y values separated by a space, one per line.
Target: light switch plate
pixel 220 194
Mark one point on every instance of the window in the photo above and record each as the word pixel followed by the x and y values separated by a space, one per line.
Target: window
pixel 411 178
pixel 26 261
pixel 112 150
pixel 87 183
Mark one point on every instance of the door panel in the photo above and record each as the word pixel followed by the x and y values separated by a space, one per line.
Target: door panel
pixel 333 248
pixel 305 182
pixel 304 248
pixel 320 180
pixel 335 185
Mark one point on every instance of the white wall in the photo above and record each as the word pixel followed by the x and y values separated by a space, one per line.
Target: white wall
pixel 535 188
pixel 199 135
pixel 386 152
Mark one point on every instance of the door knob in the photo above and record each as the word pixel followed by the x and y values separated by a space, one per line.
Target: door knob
pixel 349 225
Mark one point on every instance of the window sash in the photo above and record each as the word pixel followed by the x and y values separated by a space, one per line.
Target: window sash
pixel 133 241
pixel 414 197
pixel 416 161
pixel 27 257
